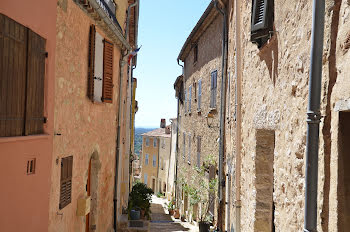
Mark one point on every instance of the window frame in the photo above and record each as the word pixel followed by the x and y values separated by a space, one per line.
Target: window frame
pixel 213 88
pixel 146 159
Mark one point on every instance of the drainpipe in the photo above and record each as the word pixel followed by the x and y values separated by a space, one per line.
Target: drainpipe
pixel 177 136
pixel 314 116
pixel 221 184
pixel 128 18
pixel 238 77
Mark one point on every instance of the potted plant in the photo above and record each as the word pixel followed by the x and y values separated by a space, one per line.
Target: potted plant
pixel 140 201
pixel 203 191
pixel 183 217
pixel 171 207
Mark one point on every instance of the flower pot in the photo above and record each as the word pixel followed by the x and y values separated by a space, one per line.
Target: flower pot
pixel 171 212
pixel 176 214
pixel 142 214
pixel 135 214
pixel 204 226
pixel 183 218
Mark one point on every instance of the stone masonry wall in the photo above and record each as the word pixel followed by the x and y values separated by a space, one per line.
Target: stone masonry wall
pixel 274 97
pixel 196 123
pixel 87 130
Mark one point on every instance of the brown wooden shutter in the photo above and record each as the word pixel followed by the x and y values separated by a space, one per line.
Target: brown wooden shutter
pixel 91 62
pixel 66 181
pixel 107 91
pixel 13 54
pixel 35 84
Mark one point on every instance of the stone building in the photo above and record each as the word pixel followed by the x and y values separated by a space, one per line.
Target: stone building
pixel 198 91
pixel 93 105
pixel 27 80
pixel 156 145
pixel 276 63
pixel 172 161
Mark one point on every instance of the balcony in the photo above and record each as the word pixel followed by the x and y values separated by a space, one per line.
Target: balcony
pixel 104 13
pixel 109 7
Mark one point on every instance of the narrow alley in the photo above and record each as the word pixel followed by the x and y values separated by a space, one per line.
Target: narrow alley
pixel 162 221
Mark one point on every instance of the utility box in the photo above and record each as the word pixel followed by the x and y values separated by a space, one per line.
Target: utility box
pixel 84 206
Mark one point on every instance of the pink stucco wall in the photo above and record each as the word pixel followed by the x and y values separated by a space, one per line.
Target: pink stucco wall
pixel 24 199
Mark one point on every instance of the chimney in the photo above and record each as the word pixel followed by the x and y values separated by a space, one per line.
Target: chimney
pixel 167 130
pixel 162 123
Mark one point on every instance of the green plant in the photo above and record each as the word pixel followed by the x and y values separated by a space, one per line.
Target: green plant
pixel 170 205
pixel 201 190
pixel 159 194
pixel 140 198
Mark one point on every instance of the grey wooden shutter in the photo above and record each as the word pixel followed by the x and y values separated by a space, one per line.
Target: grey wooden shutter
pixel 259 15
pixel 66 181
pixel 35 84
pixel 189 148
pixel 13 55
pixel 199 144
pixel 189 98
pixel 184 146
pixel 107 92
pixel 213 89
pixel 91 62
pixel 199 94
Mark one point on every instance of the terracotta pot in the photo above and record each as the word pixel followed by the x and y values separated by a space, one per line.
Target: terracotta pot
pixel 142 212
pixel 171 212
pixel 204 226
pixel 176 214
pixel 183 218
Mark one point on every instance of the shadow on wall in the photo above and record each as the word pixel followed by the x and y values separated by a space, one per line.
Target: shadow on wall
pixel 269 54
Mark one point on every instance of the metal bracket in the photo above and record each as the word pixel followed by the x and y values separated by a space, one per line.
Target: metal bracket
pixel 313 117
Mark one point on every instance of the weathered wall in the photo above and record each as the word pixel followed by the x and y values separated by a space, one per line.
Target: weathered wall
pixel 197 123
pixel 172 160
pixel 275 91
pixel 88 130
pixel 25 199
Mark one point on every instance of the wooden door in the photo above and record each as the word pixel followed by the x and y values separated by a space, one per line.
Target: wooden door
pixel 88 189
pixel 154 185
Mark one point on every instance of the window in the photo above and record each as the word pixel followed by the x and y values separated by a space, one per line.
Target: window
pixel 22 77
pixel 100 68
pixel 189 98
pixel 262 18
pixel 195 53
pixel 146 159
pixel 154 142
pixel 154 161
pixel 213 86
pixel 145 177
pixel 163 143
pixel 147 141
pixel 185 102
pixel 31 166
pixel 199 141
pixel 189 148
pixel 199 98
pixel 66 181
pixel 184 146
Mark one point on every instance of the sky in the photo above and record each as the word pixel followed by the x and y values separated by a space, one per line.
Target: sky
pixel 163 29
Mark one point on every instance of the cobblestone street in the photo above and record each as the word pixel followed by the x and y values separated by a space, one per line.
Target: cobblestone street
pixel 161 221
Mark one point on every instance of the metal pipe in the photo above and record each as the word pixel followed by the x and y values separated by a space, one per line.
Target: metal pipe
pixel 221 184
pixel 314 116
pixel 115 198
pixel 238 97
pixel 128 17
pixel 183 69
pixel 177 150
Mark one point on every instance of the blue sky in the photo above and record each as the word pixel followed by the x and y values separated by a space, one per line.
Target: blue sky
pixel 163 28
